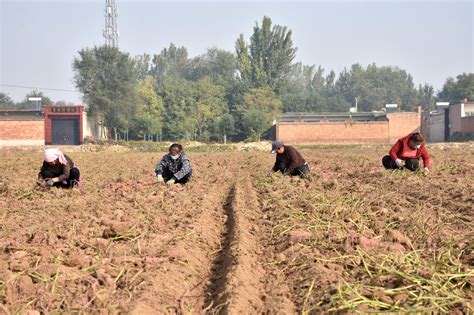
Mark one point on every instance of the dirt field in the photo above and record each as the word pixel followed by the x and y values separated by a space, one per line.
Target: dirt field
pixel 352 237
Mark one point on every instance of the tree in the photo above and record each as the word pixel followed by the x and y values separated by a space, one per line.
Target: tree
pixel 216 64
pixel 141 66
pixel 26 104
pixel 209 105
pixel 225 125
pixel 376 86
pixel 267 60
pixel 6 102
pixel 105 76
pixel 172 61
pixel 455 90
pixel 259 109
pixel 149 120
pixel 179 102
pixel 426 96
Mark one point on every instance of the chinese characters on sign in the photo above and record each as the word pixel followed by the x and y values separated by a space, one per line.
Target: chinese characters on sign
pixel 69 109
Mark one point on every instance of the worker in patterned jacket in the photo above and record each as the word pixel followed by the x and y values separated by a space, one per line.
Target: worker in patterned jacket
pixel 174 167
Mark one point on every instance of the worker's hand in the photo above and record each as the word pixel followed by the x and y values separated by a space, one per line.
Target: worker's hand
pixel 400 163
pixel 170 182
pixel 426 171
pixel 49 182
pixel 159 179
pixel 41 183
pixel 270 173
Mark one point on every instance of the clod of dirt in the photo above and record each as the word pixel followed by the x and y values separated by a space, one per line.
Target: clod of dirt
pixel 19 254
pixel 76 260
pixel 105 278
pixel 398 236
pixel 380 295
pixel 25 286
pixel 368 243
pixel 299 235
pixel 100 243
pixel 400 298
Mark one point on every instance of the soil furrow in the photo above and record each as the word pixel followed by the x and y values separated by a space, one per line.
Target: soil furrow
pixel 216 294
pixel 240 284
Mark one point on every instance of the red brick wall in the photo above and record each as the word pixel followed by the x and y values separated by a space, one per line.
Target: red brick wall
pixel 467 125
pixel 401 124
pixel 324 133
pixel 22 130
pixel 398 125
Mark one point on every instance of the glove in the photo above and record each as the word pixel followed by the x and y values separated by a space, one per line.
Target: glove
pixel 400 163
pixel 170 182
pixel 159 179
pixel 426 171
pixel 49 182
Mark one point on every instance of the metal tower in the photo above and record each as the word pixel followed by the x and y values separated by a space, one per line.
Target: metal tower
pixel 111 32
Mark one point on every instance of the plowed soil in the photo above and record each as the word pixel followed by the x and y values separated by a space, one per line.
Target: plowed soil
pixel 352 237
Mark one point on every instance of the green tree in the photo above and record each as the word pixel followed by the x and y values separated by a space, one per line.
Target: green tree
pixel 6 102
pixel 149 120
pixel 172 61
pixel 259 109
pixel 225 126
pixel 141 67
pixel 26 104
pixel 455 90
pixel 105 76
pixel 426 96
pixel 209 104
pixel 267 59
pixel 376 86
pixel 216 64
pixel 179 103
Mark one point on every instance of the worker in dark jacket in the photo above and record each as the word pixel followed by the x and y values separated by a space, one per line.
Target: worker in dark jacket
pixel 406 153
pixel 288 160
pixel 174 167
pixel 58 170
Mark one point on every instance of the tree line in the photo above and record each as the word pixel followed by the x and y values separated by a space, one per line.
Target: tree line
pixel 222 94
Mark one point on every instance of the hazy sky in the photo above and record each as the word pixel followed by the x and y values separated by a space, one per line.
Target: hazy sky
pixel 431 40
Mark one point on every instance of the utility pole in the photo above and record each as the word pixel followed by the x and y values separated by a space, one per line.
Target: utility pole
pixel 111 32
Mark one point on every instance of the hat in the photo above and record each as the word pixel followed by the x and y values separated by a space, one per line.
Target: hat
pixel 276 144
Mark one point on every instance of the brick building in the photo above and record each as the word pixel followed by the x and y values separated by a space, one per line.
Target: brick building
pixel 344 128
pixel 57 125
pixel 21 127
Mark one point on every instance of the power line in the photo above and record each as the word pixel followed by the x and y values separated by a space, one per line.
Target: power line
pixel 36 88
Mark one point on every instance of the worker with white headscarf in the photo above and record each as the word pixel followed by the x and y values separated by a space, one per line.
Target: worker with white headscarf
pixel 58 170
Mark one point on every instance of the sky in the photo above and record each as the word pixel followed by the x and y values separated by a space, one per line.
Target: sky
pixel 432 40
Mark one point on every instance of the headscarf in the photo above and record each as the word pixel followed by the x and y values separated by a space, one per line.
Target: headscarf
pixel 53 154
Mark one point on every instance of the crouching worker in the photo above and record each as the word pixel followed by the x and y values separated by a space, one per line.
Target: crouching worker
pixel 288 160
pixel 406 153
pixel 58 170
pixel 174 167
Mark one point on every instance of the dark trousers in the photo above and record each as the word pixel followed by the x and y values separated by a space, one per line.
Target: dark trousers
pixel 74 176
pixel 389 163
pixel 301 171
pixel 167 175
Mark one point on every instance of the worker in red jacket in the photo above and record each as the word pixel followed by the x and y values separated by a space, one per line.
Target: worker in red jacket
pixel 406 153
